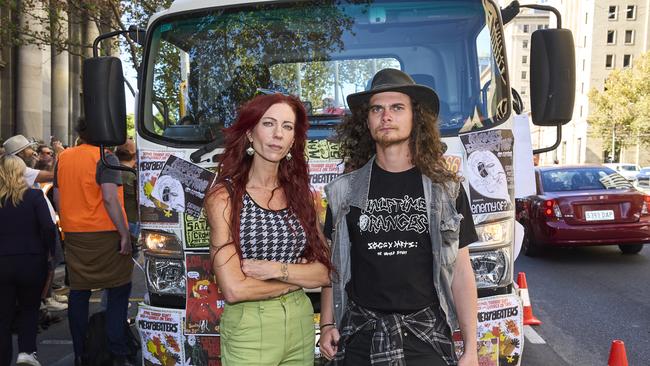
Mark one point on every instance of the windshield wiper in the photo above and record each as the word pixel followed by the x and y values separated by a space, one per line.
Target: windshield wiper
pixel 195 157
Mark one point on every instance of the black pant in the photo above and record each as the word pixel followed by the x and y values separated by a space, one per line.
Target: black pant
pixel 116 313
pixel 22 278
pixel 416 352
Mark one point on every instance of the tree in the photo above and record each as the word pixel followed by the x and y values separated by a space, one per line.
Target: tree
pixel 130 125
pixel 622 110
pixel 47 23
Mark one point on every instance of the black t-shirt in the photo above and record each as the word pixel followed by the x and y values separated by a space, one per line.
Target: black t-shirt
pixel 391 251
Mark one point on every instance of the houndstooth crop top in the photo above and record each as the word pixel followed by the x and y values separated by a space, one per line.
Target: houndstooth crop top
pixel 269 234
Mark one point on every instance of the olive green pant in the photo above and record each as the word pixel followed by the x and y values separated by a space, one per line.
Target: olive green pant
pixel 279 331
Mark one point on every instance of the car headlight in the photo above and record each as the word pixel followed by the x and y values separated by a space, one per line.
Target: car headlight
pixel 160 242
pixel 494 234
pixel 165 276
pixel 491 268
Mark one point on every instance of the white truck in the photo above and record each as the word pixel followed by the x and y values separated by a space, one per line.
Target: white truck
pixel 203 58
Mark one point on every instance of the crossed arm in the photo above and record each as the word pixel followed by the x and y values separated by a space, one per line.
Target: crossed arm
pixel 252 279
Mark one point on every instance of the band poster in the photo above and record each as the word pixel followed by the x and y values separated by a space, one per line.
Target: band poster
pixel 197 232
pixel 153 213
pixel 182 186
pixel 489 170
pixel 202 351
pixel 324 166
pixel 500 331
pixel 204 301
pixel 161 335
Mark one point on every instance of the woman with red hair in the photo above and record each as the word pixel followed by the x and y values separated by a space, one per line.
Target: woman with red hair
pixel 266 245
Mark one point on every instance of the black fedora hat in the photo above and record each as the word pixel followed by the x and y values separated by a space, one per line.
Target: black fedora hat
pixel 387 80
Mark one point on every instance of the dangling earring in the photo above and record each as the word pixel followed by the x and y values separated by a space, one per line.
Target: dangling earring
pixel 288 156
pixel 250 151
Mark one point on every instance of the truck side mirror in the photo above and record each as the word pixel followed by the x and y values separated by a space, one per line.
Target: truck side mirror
pixel 552 77
pixel 104 103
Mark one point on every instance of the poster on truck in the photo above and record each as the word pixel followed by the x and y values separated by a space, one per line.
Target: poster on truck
pixel 161 336
pixel 500 332
pixel 181 186
pixel 197 232
pixel 202 351
pixel 325 164
pixel 153 213
pixel 204 301
pixel 500 328
pixel 489 170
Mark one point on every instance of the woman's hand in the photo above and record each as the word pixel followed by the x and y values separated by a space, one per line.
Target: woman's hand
pixel 262 269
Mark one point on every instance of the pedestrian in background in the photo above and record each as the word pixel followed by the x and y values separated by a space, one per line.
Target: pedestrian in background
pixel 51 301
pixel 97 242
pixel 20 146
pixel 264 231
pixel 45 158
pixel 126 155
pixel 26 240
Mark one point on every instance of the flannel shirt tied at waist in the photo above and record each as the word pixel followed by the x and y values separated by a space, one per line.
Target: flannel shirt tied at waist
pixel 387 343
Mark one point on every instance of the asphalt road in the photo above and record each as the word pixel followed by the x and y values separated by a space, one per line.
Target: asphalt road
pixel 586 298
pixel 55 344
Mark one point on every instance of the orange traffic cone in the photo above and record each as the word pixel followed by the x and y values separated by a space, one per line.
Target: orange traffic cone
pixel 617 356
pixel 529 318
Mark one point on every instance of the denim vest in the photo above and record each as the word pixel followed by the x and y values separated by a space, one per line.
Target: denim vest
pixel 352 189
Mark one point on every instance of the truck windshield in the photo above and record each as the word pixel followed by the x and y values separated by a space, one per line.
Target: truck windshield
pixel 200 66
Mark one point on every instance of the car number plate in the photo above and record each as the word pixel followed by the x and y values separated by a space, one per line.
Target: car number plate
pixel 600 215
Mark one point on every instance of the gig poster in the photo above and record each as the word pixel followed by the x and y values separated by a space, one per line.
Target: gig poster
pixel 153 213
pixel 202 351
pixel 182 186
pixel 204 300
pixel 197 232
pixel 323 150
pixel 161 335
pixel 489 170
pixel 324 166
pixel 500 331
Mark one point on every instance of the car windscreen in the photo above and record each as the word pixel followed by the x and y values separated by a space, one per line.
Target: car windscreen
pixel 202 65
pixel 582 179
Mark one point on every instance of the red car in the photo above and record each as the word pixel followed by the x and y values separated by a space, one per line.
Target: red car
pixel 581 206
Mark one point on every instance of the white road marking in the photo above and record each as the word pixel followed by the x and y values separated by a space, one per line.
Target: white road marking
pixel 532 336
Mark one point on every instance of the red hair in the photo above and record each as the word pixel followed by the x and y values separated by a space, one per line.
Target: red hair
pixel 293 175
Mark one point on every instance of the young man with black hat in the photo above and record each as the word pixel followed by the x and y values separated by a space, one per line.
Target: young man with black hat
pixel 400 225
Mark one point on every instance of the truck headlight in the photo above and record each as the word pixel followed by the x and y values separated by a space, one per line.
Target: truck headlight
pixel 494 234
pixel 165 276
pixel 160 242
pixel 491 268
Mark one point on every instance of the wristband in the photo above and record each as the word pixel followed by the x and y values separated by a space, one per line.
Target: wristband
pixel 328 325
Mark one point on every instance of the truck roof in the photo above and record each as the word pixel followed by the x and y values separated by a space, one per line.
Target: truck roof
pixel 179 6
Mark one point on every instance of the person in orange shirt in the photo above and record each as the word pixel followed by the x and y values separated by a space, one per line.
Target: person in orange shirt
pixel 90 201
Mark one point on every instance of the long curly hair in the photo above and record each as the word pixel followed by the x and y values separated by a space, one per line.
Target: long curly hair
pixel 293 176
pixel 357 145
pixel 12 180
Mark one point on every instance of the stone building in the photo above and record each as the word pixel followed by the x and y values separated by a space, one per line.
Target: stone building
pixel 40 87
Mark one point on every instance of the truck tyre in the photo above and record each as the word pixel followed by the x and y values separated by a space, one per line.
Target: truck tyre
pixel 529 246
pixel 631 248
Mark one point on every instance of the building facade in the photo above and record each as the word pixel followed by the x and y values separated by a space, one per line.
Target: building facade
pixel 40 87
pixel 608 35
